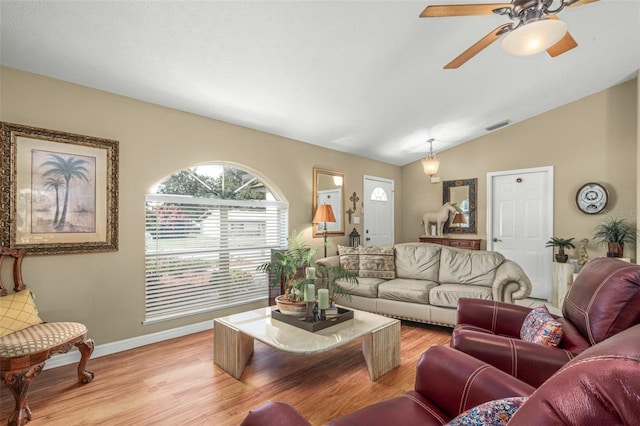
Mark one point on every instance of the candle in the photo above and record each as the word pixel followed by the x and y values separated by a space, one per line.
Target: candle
pixel 311 273
pixel 323 298
pixel 309 293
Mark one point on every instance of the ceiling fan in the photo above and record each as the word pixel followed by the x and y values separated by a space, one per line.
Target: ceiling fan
pixel 535 28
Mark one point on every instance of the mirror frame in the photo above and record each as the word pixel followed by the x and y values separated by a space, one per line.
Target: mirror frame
pixel 316 174
pixel 446 197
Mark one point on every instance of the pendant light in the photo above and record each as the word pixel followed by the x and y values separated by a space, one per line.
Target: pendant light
pixel 431 164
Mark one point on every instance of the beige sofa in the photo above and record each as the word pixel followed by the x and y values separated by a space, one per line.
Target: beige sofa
pixel 423 282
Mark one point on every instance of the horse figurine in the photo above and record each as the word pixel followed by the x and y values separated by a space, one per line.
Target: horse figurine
pixel 439 218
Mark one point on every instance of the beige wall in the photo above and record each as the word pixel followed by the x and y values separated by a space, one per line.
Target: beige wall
pixel 594 139
pixel 106 290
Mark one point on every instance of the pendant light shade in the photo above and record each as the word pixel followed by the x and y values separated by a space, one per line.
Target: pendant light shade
pixel 431 164
pixel 534 37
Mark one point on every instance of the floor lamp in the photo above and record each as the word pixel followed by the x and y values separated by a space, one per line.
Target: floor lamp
pixel 324 214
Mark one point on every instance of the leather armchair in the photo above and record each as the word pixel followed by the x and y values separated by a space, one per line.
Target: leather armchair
pixel 603 300
pixel 601 386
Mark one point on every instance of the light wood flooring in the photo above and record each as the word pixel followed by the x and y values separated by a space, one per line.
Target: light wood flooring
pixel 176 383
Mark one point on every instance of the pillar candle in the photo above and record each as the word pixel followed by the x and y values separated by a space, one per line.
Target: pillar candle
pixel 323 298
pixel 310 273
pixel 309 293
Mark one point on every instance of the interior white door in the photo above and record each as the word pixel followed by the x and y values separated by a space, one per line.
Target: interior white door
pixel 378 211
pixel 520 221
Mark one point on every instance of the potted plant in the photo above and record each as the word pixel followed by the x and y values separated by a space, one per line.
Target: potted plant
pixel 287 270
pixel 615 233
pixel 561 243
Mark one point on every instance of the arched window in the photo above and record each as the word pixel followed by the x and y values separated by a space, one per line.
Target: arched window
pixel 207 229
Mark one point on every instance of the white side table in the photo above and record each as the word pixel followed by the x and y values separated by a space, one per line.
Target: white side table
pixel 562 280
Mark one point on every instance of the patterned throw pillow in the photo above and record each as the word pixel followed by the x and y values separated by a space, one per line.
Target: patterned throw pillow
pixel 492 413
pixel 17 312
pixel 540 327
pixel 349 258
pixel 377 262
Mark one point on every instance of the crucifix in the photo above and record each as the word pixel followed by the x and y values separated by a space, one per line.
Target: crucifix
pixel 354 198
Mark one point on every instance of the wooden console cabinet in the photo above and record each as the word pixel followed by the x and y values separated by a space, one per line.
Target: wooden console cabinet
pixel 462 243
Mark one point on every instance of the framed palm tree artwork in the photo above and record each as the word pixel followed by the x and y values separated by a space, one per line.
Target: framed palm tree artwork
pixel 58 191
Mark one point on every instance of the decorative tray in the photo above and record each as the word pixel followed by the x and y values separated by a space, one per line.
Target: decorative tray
pixel 343 315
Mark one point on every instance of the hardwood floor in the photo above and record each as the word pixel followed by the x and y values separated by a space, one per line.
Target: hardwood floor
pixel 176 383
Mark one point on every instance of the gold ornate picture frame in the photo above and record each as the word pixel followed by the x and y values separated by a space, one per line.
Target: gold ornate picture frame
pixel 58 191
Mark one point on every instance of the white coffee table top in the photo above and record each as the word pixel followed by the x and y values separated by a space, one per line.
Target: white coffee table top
pixel 282 336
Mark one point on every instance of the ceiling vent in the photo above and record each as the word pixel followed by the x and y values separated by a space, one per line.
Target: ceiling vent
pixel 498 125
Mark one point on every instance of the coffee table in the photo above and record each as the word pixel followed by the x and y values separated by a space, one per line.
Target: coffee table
pixel 234 336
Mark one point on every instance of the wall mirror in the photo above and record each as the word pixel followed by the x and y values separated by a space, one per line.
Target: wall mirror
pixel 462 193
pixel 328 188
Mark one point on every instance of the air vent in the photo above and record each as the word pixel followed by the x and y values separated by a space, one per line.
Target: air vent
pixel 498 125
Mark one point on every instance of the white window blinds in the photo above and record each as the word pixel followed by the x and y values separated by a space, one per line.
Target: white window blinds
pixel 202 254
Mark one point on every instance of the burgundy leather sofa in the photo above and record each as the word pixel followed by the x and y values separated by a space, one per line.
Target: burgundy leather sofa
pixel 603 300
pixel 600 386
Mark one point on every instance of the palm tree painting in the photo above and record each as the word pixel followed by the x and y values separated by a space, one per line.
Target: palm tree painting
pixel 63 192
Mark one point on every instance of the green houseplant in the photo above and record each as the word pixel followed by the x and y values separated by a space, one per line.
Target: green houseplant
pixel 615 233
pixel 287 267
pixel 288 270
pixel 561 244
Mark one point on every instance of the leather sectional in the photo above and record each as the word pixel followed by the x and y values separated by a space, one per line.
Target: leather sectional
pixel 423 282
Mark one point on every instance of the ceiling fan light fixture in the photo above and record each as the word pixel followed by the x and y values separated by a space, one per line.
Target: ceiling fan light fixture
pixel 431 164
pixel 534 37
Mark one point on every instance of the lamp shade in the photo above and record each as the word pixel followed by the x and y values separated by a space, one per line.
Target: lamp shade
pixel 459 218
pixel 324 213
pixel 430 165
pixel 534 37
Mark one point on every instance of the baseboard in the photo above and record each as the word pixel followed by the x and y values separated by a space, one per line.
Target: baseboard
pixel 123 345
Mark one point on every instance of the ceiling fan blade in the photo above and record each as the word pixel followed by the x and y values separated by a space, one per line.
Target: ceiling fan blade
pixel 580 3
pixel 478 47
pixel 565 44
pixel 439 11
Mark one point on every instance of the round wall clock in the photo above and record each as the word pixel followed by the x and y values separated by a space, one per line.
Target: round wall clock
pixel 592 198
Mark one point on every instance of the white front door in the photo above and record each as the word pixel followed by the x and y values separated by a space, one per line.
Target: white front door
pixel 520 222
pixel 378 211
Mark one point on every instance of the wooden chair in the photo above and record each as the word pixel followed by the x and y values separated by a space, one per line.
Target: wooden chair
pixel 24 352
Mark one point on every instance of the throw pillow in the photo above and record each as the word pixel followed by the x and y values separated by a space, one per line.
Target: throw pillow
pixel 377 262
pixel 17 312
pixel 349 258
pixel 540 327
pixel 496 412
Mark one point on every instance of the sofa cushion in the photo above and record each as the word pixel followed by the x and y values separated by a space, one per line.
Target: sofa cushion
pixel 540 327
pixel 494 413
pixel 458 266
pixel 604 298
pixel 404 290
pixel 377 262
pixel 447 295
pixel 418 261
pixel 349 258
pixel 366 287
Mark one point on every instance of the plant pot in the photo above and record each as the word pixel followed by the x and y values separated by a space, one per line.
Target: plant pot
pixel 294 309
pixel 617 249
pixel 562 258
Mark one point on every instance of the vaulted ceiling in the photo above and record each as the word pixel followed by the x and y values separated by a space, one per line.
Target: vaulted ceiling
pixel 364 77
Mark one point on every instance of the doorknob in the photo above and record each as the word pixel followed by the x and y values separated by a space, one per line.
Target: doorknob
pixel 367 239
pixel 495 240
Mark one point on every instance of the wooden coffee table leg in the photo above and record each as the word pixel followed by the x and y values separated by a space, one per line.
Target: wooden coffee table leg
pixel 381 350
pixel 231 349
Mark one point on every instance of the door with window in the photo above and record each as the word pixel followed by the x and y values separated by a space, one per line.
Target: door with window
pixel 520 221
pixel 378 211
